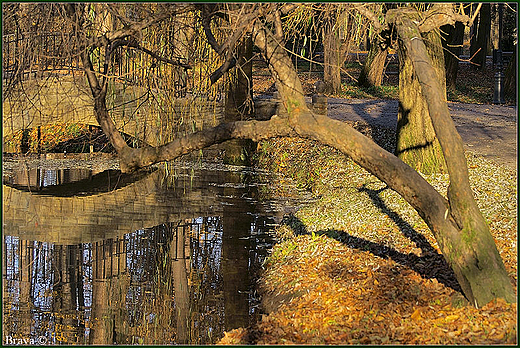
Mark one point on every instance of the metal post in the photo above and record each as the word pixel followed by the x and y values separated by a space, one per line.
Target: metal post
pixel 498 97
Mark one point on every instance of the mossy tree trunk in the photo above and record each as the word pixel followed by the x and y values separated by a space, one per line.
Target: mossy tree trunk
pixel 467 245
pixel 372 71
pixel 452 44
pixel 417 144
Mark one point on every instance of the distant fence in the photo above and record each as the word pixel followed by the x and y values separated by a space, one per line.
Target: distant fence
pixel 28 56
pixel 21 59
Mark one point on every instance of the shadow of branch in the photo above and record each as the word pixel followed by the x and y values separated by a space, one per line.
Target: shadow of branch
pixel 430 265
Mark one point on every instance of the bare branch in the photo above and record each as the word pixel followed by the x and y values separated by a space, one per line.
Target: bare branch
pixel 475 15
pixel 229 64
pixel 206 24
pixel 256 130
pixel 129 30
pixel 441 14
pixel 135 45
pixel 278 26
pixel 371 16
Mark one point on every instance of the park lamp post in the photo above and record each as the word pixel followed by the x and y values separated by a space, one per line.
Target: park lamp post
pixel 498 97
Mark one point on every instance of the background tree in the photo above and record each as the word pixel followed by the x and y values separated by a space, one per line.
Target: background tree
pixel 452 39
pixel 373 68
pixel 337 26
pixel 481 37
pixel 511 82
pixel 417 144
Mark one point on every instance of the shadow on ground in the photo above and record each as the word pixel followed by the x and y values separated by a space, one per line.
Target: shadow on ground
pixel 431 265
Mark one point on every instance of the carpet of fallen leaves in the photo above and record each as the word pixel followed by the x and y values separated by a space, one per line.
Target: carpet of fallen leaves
pixel 320 291
pixel 361 280
pixel 324 292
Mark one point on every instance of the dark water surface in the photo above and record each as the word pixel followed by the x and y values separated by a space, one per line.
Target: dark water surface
pixel 168 257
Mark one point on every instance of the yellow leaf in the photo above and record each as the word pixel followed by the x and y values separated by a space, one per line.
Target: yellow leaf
pixel 416 315
pixel 451 318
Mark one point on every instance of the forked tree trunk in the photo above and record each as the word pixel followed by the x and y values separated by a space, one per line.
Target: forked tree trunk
pixel 372 71
pixel 471 251
pixel 452 44
pixel 417 144
pixel 459 228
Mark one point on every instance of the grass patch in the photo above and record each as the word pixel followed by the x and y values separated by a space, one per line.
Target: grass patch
pixel 352 90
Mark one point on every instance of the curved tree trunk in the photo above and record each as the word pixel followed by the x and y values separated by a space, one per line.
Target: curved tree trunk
pixel 471 252
pixel 458 226
pixel 417 144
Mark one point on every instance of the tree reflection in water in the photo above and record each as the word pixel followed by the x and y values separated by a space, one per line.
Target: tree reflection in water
pixel 162 285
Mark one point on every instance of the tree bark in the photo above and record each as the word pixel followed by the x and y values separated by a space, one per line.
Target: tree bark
pixel 372 71
pixel 452 45
pixel 417 144
pixel 471 251
pixel 480 42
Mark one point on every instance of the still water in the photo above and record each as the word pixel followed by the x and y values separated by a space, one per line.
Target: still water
pixel 162 257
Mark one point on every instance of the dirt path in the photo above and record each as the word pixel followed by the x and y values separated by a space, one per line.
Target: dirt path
pixel 489 130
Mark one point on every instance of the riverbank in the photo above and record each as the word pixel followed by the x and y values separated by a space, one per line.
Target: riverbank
pixel 358 265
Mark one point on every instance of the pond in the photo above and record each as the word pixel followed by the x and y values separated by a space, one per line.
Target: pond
pixel 168 256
